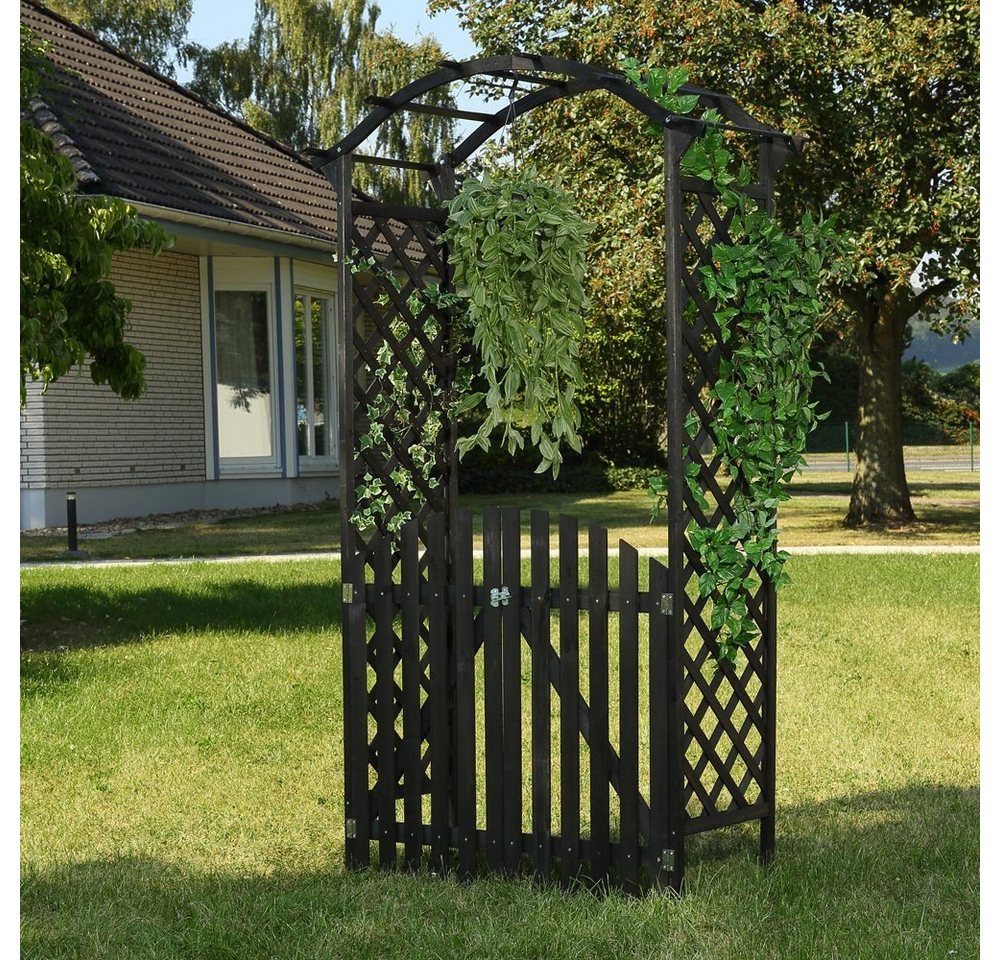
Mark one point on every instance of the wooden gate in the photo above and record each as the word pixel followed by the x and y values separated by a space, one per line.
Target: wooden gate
pixel 517 714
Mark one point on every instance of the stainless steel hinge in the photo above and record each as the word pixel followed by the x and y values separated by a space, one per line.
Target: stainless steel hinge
pixel 669 860
pixel 667 604
pixel 351 828
pixel 348 595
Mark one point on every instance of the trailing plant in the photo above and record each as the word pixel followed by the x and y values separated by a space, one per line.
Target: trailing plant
pixel 518 250
pixel 764 288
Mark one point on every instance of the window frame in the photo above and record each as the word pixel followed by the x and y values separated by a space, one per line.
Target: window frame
pixel 311 462
pixel 235 278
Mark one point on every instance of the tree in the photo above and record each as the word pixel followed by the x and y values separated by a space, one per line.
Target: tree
pixel 152 31
pixel 887 92
pixel 69 309
pixel 304 73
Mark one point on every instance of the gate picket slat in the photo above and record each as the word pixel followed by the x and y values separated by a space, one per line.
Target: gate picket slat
pixel 493 683
pixel 412 737
pixel 440 741
pixel 659 712
pixel 385 721
pixel 465 695
pixel 569 688
pixel 541 696
pixel 510 524
pixel 600 761
pixel 358 853
pixel 628 715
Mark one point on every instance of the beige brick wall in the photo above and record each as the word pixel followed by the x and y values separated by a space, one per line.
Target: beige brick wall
pixel 92 438
pixel 32 439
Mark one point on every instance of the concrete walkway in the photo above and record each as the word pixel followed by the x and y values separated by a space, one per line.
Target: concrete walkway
pixel 853 549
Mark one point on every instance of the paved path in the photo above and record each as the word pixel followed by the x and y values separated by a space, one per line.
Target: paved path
pixel 856 549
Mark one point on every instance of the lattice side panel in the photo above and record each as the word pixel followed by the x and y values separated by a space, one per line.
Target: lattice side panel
pixel 722 709
pixel 408 338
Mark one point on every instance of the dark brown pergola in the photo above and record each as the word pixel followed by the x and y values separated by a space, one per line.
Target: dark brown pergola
pixel 423 630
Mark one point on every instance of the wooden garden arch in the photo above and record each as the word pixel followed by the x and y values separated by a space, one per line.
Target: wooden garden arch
pixel 435 655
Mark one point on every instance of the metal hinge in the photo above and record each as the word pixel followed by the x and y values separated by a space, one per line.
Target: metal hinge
pixel 348 595
pixel 669 860
pixel 667 604
pixel 351 828
pixel 499 595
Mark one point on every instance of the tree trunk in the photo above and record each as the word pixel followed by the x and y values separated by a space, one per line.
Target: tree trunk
pixel 880 496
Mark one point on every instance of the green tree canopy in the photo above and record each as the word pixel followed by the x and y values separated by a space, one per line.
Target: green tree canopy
pixel 152 31
pixel 888 94
pixel 304 72
pixel 69 309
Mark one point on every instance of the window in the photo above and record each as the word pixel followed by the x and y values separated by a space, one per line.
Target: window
pixel 313 364
pixel 244 375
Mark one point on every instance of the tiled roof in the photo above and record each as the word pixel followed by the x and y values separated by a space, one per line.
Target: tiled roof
pixel 148 140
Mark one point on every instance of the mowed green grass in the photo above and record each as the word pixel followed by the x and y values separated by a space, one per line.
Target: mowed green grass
pixel 181 783
pixel 946 503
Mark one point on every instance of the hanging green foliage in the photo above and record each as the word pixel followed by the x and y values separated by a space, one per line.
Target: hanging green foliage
pixel 764 289
pixel 518 250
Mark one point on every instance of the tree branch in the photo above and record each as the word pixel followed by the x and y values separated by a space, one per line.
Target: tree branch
pixel 943 287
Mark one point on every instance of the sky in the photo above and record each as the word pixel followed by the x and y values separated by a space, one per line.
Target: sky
pixel 213 21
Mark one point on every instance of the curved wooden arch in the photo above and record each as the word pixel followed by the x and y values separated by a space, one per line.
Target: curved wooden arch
pixel 582 78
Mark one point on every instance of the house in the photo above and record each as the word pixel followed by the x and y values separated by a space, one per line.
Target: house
pixel 236 320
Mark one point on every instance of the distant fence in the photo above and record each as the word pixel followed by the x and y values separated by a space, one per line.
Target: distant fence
pixel 925 447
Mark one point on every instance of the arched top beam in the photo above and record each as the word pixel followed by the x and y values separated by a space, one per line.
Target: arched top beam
pixel 582 78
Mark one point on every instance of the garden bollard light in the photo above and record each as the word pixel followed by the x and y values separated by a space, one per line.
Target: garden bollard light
pixel 71 521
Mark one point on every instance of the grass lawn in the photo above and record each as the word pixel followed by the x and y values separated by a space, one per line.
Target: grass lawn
pixel 181 783
pixel 947 503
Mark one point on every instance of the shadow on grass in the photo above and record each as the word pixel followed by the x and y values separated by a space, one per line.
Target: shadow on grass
pixel 887 874
pixel 73 616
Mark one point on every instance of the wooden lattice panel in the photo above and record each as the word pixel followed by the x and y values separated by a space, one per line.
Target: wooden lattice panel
pixel 385 315
pixel 723 711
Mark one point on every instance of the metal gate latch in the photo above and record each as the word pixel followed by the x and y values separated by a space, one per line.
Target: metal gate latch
pixel 499 595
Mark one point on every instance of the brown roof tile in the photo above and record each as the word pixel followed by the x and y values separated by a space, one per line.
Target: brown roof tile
pixel 149 140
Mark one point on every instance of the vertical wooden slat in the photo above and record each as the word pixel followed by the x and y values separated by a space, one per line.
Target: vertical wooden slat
pixel 510 524
pixel 541 696
pixel 569 689
pixel 768 648
pixel 600 763
pixel 352 614
pixel 675 142
pixel 628 713
pixel 385 723
pixel 437 621
pixel 412 737
pixel 493 683
pixel 769 160
pixel 358 812
pixel 661 750
pixel 465 694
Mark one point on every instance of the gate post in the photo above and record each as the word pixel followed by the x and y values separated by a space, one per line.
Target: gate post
pixel 357 821
pixel 770 158
pixel 675 142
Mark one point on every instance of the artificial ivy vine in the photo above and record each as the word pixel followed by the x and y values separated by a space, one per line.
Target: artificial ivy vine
pixel 518 250
pixel 764 286
pixel 399 404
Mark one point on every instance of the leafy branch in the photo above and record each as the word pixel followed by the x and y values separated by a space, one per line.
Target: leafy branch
pixel 764 291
